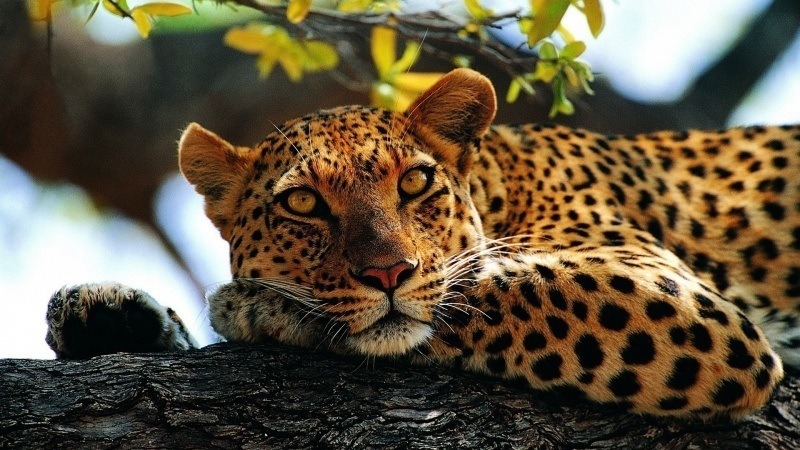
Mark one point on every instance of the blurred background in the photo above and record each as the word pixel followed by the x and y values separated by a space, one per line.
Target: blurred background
pixel 89 124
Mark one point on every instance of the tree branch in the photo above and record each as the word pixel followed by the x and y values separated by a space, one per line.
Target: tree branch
pixel 434 29
pixel 277 397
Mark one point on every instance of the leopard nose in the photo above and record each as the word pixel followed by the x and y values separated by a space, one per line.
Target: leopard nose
pixel 386 279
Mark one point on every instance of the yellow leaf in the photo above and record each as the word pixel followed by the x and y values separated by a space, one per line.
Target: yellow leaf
pixel 163 9
pixel 402 100
pixel 350 6
pixel 265 64
pixel 321 56
pixel 545 71
pixel 547 15
pixel 594 16
pixel 142 20
pixel 416 82
pixel 513 91
pixel 573 50
pixel 384 51
pixel 293 59
pixel 248 40
pixel 409 57
pixel 478 12
pixel 382 95
pixel 572 76
pixel 565 33
pixel 297 10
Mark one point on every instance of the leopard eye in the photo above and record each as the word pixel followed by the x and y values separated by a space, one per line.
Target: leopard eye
pixel 415 182
pixel 301 202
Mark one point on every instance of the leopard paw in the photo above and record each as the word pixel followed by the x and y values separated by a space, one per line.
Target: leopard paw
pixel 96 319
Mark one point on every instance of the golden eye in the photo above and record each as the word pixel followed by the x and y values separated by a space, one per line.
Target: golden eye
pixel 301 202
pixel 414 182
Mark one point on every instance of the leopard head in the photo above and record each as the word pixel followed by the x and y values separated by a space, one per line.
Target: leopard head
pixel 356 208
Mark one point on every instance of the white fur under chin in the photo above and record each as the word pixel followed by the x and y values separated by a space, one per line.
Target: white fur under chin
pixel 395 338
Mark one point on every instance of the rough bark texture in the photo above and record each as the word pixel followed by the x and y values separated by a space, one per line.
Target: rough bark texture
pixel 276 397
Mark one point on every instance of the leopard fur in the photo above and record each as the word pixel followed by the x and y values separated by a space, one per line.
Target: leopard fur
pixel 659 273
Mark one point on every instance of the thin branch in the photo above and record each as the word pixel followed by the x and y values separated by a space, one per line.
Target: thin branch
pixel 438 31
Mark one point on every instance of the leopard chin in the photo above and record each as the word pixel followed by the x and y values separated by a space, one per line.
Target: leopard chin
pixel 394 334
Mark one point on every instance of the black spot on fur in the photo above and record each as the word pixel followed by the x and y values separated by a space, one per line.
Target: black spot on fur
pixel 493 317
pixel 558 326
pixel 677 335
pixel 520 312
pixel 548 367
pixel 588 350
pixel 557 299
pixel 534 341
pixel 684 373
pixel 500 343
pixel 586 281
pixel 672 403
pixel 624 384
pixel 749 329
pixel 738 356
pixel 622 284
pixel 580 310
pixel 700 337
pixel 728 393
pixel 775 210
pixel 762 378
pixel 496 364
pixel 640 349
pixel 545 272
pixel 613 317
pixel 659 309
pixel 528 290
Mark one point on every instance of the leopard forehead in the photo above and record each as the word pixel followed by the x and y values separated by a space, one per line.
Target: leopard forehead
pixel 350 139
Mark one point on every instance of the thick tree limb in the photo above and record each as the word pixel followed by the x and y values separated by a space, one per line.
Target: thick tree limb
pixel 267 396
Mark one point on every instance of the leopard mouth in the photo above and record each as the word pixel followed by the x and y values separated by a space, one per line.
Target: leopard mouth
pixel 393 334
pixel 392 318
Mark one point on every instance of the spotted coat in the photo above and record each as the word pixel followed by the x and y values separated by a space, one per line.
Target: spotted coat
pixel 646 272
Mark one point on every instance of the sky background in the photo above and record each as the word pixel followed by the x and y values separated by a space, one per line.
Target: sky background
pixel 51 235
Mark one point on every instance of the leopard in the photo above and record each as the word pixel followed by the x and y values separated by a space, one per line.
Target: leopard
pixel 657 273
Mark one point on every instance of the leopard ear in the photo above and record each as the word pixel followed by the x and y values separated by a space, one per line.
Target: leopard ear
pixel 452 114
pixel 217 170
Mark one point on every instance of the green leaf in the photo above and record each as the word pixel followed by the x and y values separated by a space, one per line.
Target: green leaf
pixel 571 75
pixel 548 50
pixel 517 85
pixel 585 73
pixel 118 8
pixel 547 15
pixel 561 104
pixel 94 10
pixel 594 16
pixel 573 50
pixel 461 61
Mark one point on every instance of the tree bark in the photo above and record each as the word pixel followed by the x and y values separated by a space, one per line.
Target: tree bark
pixel 276 397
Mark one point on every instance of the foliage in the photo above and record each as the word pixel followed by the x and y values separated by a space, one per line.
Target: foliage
pixel 306 36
